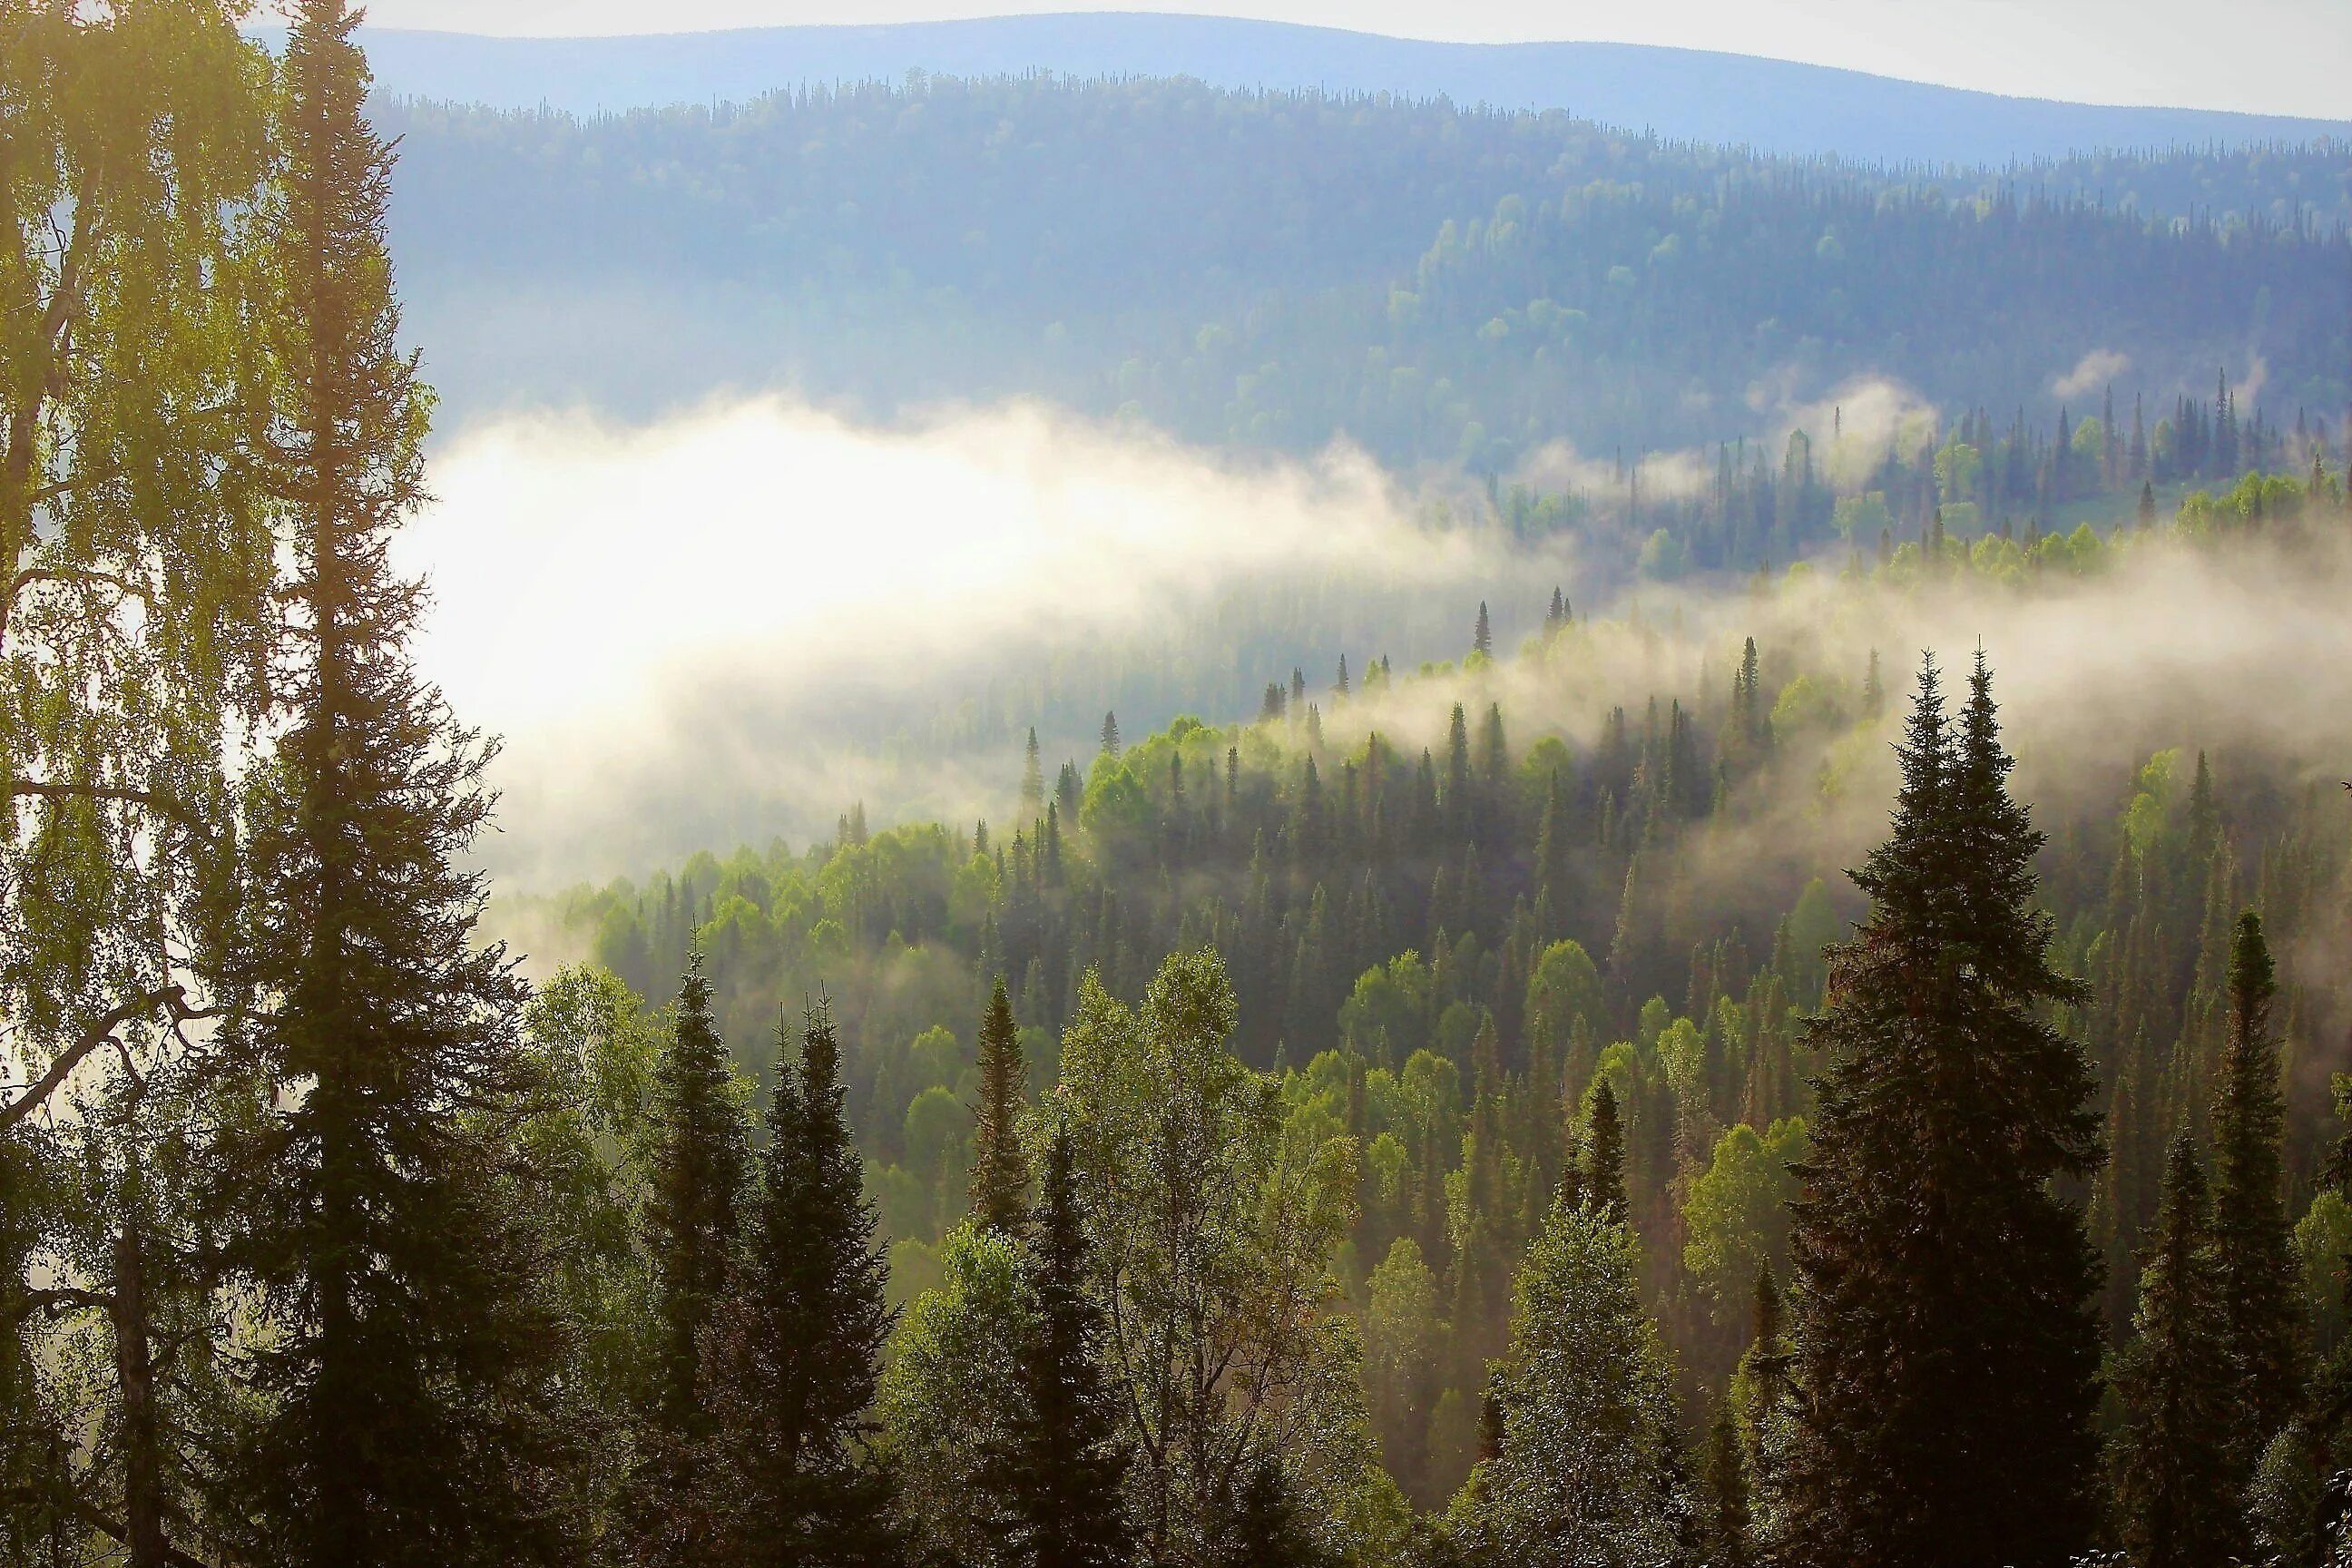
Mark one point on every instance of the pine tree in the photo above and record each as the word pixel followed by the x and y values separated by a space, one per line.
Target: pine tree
pixel 1585 1463
pixel 1604 1159
pixel 1266 1528
pixel 701 1159
pixel 397 1369
pixel 798 1340
pixel 1727 1486
pixel 1060 1468
pixel 1000 1174
pixel 1482 635
pixel 2252 1234
pixel 1945 1345
pixel 2175 1494
pixel 1110 735
pixel 1033 779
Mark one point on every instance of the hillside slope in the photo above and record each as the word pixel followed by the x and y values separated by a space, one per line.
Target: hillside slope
pixel 1684 94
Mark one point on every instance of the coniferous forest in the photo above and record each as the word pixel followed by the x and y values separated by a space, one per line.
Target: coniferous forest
pixel 1828 1044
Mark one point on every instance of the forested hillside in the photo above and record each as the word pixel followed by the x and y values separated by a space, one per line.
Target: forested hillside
pixel 1597 882
pixel 1690 93
pixel 1281 269
pixel 1827 1047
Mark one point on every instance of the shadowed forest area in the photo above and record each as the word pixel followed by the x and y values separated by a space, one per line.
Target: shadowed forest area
pixel 1828 1044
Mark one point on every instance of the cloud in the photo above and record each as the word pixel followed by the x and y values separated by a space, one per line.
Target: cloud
pixel 2093 371
pixel 1558 465
pixel 731 623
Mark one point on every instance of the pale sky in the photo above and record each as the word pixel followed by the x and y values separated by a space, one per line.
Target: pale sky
pixel 2276 57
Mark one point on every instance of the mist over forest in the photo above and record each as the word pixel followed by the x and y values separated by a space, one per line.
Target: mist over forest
pixel 1044 820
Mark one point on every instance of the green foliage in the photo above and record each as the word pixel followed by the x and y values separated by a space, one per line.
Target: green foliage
pixel 2251 1227
pixel 1586 1471
pixel 797 1343
pixel 1212 1228
pixel 1736 1217
pixel 1943 1287
pixel 2174 1493
pixel 953 1390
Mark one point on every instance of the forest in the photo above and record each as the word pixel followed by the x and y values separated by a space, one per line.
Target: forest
pixel 1829 1045
pixel 1437 282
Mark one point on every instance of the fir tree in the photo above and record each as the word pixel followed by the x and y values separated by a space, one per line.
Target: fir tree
pixel 2252 1235
pixel 1482 635
pixel 1110 735
pixel 1945 1346
pixel 2175 1494
pixel 1727 1486
pixel 1266 1528
pixel 397 1370
pixel 702 1158
pixel 1604 1158
pixel 1000 1174
pixel 1033 779
pixel 798 1340
pixel 1059 1470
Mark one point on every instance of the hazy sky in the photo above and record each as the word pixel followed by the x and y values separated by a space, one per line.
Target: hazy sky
pixel 2285 56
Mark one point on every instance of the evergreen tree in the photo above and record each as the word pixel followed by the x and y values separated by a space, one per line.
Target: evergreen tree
pixel 1585 1463
pixel 1033 779
pixel 2252 1235
pixel 799 1339
pixel 1266 1528
pixel 1727 1486
pixel 1604 1159
pixel 701 1159
pixel 1110 735
pixel 1059 1469
pixel 1000 1174
pixel 2175 1498
pixel 1482 635
pixel 395 1373
pixel 1945 1346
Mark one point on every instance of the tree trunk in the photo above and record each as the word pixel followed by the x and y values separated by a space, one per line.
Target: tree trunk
pixel 143 1488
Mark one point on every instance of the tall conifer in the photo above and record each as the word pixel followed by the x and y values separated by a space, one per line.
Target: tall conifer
pixel 701 1159
pixel 2174 1490
pixel 1604 1159
pixel 2252 1235
pixel 1059 1469
pixel 1000 1174
pixel 397 1367
pixel 799 1337
pixel 1944 1342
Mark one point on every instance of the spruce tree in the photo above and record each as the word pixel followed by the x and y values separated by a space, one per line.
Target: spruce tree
pixel 799 1339
pixel 1000 1174
pixel 2252 1234
pixel 1945 1346
pixel 1266 1528
pixel 1604 1159
pixel 701 1159
pixel 395 1375
pixel 1059 1469
pixel 2175 1490
pixel 1727 1486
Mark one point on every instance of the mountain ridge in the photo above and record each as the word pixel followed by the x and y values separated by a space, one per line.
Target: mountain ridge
pixel 1686 94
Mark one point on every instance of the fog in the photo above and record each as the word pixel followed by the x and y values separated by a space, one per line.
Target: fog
pixel 730 625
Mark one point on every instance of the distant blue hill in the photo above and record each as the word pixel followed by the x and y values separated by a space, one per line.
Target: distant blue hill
pixel 1686 94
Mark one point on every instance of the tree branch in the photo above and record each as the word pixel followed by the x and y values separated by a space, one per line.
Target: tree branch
pixel 99 1032
pixel 171 1555
pixel 162 805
